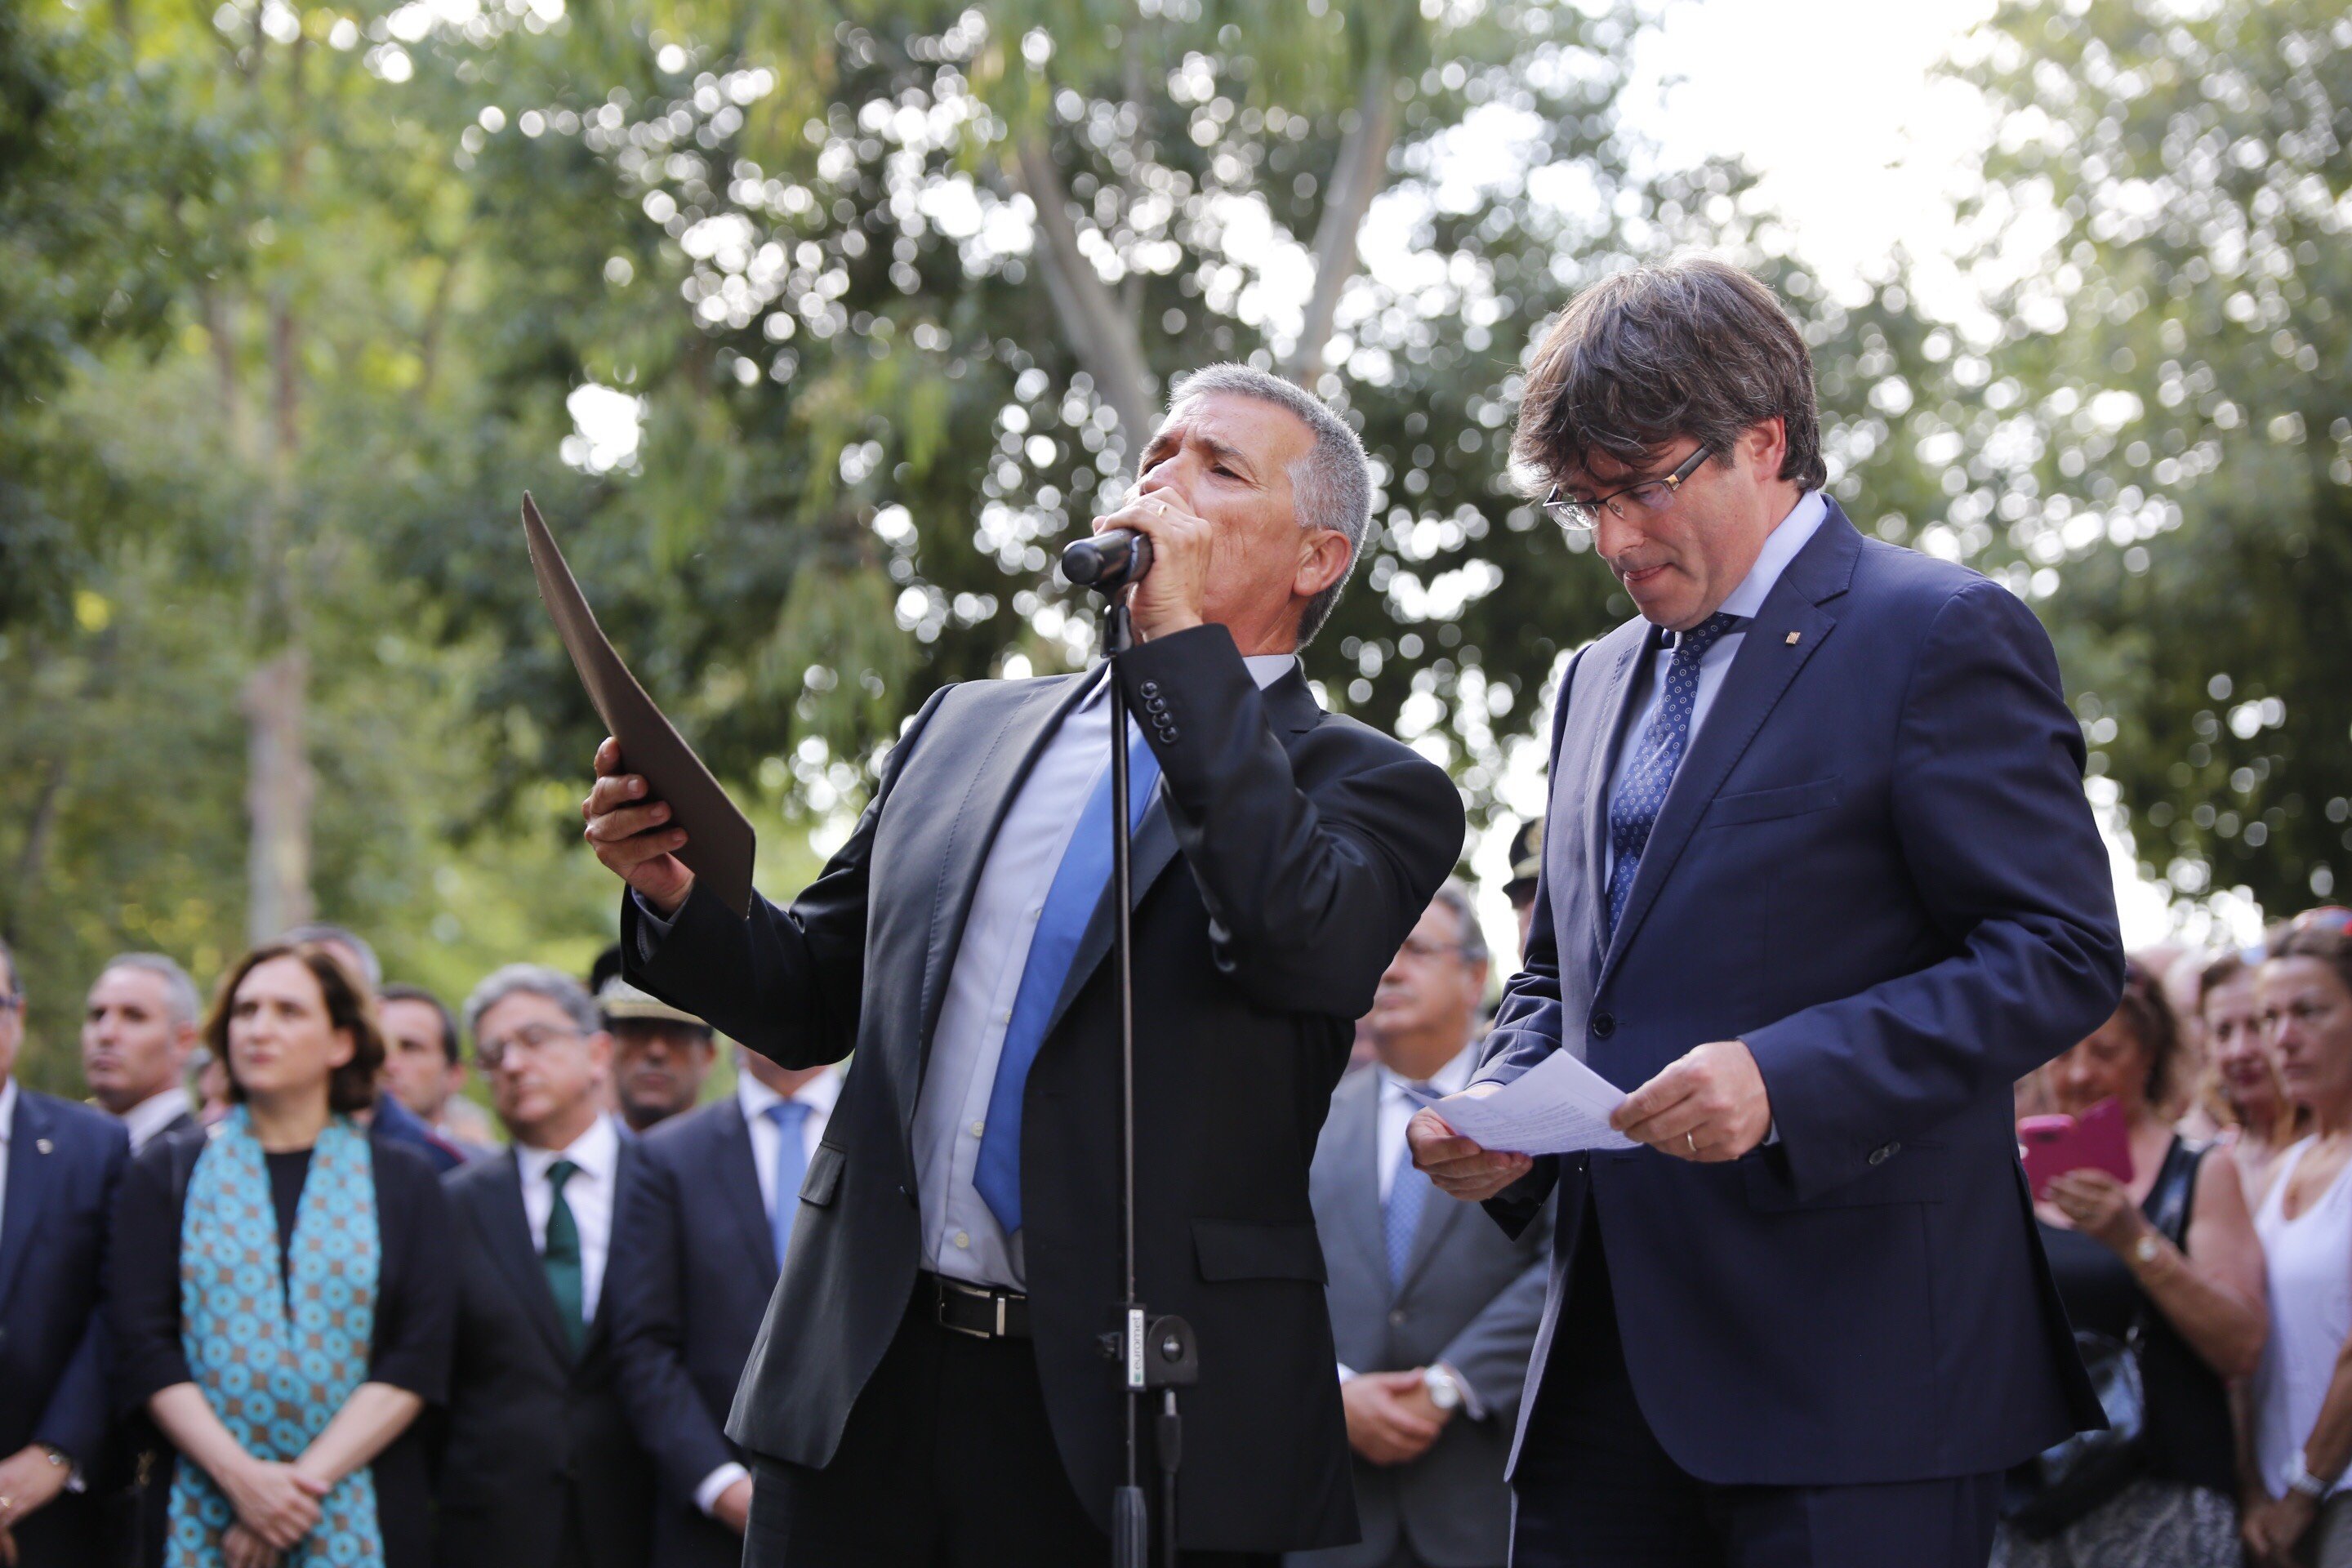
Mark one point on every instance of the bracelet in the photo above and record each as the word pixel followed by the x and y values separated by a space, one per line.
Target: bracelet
pixel 2299 1479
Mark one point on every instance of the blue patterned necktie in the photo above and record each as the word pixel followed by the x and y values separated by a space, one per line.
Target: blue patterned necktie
pixel 1400 1214
pixel 1077 887
pixel 792 1164
pixel 1633 809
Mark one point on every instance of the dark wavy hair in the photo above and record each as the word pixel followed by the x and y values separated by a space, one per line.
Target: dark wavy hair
pixel 1691 347
pixel 2149 1017
pixel 350 1087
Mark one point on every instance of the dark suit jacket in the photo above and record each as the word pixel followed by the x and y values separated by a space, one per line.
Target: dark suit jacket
pixel 64 1160
pixel 1309 845
pixel 1877 866
pixel 1471 1299
pixel 536 1449
pixel 702 1266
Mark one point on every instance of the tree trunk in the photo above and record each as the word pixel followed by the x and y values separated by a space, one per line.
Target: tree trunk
pixel 277 797
pixel 1357 177
pixel 38 830
pixel 1098 326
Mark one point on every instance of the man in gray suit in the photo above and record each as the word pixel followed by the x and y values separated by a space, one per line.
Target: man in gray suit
pixel 1434 1316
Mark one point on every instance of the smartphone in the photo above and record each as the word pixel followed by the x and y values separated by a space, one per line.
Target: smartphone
pixel 2095 1141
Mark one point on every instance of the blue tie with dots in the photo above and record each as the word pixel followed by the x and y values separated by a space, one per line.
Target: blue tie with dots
pixel 1400 1214
pixel 792 1164
pixel 1633 809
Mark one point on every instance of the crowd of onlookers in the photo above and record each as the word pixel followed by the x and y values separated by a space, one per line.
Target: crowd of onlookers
pixel 283 1279
pixel 2210 1293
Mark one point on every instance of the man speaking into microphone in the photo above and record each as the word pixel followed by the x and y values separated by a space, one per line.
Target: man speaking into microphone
pixel 930 1385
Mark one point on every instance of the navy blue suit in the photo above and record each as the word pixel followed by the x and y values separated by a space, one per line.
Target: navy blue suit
pixel 1877 866
pixel 63 1162
pixel 686 1311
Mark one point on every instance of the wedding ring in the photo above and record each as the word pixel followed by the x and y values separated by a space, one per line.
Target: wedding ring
pixel 1692 1138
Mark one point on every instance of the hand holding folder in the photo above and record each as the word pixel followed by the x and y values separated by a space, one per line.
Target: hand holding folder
pixel 720 842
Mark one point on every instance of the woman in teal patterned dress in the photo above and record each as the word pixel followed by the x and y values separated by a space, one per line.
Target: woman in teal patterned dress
pixel 282 1302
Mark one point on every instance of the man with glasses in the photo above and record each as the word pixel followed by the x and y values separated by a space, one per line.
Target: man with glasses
pixel 541 1469
pixel 1819 883
pixel 60 1162
pixel 1432 1309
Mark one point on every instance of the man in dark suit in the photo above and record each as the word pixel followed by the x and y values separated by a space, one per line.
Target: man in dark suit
pixel 930 1385
pixel 538 1467
pixel 1433 1310
pixel 59 1164
pixel 704 1228
pixel 139 1026
pixel 1819 883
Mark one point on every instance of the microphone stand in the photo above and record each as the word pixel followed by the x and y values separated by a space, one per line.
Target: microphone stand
pixel 1153 1352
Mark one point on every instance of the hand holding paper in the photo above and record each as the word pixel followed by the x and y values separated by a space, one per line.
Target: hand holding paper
pixel 1557 1106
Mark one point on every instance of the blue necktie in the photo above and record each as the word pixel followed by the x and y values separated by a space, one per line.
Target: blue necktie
pixel 792 1164
pixel 1401 1215
pixel 1633 809
pixel 1077 887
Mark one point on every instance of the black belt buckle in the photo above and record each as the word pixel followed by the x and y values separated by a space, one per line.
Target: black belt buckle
pixel 992 1307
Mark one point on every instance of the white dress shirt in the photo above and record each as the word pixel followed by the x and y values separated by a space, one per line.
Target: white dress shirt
pixel 8 1132
pixel 1789 536
pixel 960 1236
pixel 589 1195
pixel 818 1094
pixel 152 1115
pixel 1397 1106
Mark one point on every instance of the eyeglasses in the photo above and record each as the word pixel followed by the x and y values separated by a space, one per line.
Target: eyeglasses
pixel 10 1004
pixel 1425 950
pixel 533 1039
pixel 1650 495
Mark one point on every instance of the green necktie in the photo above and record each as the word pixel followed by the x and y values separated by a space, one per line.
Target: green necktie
pixel 560 1255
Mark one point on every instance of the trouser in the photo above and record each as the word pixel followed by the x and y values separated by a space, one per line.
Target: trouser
pixel 947 1461
pixel 1595 1488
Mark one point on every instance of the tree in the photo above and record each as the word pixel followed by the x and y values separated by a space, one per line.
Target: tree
pixel 2174 467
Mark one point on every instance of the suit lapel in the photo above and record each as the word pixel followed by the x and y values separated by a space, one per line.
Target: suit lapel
pixel 736 1176
pixel 624 1169
pixel 506 1230
pixel 1605 734
pixel 1354 1124
pixel 29 1168
pixel 1785 634
pixel 1012 751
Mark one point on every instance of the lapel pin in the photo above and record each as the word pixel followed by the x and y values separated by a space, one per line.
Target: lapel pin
pixel 1793 637
pixel 42 1145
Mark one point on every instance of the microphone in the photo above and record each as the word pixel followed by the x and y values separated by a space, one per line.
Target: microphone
pixel 1108 560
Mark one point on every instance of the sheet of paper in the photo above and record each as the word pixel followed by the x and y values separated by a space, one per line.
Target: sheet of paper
pixel 719 841
pixel 1557 1106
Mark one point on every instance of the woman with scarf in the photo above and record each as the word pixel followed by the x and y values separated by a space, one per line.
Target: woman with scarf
pixel 282 1302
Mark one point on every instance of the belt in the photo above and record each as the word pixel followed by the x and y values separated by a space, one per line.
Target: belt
pixel 974 1309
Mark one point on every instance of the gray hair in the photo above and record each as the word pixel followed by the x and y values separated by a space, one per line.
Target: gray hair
pixel 1332 483
pixel 318 934
pixel 1455 896
pixel 181 1003
pixel 532 980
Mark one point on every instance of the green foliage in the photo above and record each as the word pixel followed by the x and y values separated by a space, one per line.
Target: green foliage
pixel 2176 467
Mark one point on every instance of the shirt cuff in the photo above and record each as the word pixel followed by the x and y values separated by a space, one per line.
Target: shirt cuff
pixel 1471 1405
pixel 1345 1371
pixel 652 930
pixel 714 1486
pixel 1772 1133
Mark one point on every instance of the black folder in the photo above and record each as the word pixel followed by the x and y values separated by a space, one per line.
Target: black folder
pixel 720 842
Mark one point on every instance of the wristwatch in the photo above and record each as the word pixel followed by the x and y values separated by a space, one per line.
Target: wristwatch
pixel 2299 1479
pixel 2148 1247
pixel 1445 1388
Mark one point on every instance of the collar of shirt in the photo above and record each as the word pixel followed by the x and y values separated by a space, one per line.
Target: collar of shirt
pixel 8 1115
pixel 596 1151
pixel 1792 533
pixel 152 1115
pixel 819 1094
pixel 1448 1079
